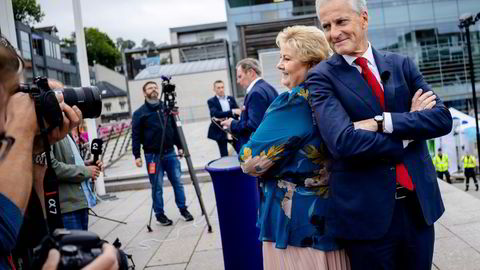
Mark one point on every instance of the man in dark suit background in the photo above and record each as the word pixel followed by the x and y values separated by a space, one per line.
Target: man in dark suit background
pixel 221 107
pixel 374 117
pixel 259 95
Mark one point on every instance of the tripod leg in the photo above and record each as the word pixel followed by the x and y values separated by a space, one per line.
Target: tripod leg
pixel 191 170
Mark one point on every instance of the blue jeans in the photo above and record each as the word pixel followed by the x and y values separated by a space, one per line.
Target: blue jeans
pixel 171 165
pixel 76 220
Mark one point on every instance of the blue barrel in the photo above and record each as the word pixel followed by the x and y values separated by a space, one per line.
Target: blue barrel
pixel 237 205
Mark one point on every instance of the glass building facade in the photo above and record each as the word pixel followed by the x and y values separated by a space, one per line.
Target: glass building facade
pixel 425 30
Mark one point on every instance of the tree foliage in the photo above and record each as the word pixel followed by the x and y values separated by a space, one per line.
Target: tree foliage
pixel 27 11
pixel 125 44
pixel 101 49
pixel 148 43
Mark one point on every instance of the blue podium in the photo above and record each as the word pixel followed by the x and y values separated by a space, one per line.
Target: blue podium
pixel 237 199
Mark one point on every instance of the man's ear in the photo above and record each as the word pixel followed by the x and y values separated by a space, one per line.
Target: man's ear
pixel 364 16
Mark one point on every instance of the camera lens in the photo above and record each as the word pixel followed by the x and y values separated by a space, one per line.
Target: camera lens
pixel 87 99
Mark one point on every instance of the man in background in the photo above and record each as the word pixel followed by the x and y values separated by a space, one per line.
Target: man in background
pixel 147 129
pixel 469 165
pixel 221 107
pixel 440 160
pixel 259 95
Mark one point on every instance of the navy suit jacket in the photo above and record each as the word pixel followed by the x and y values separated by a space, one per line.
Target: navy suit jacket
pixel 214 132
pixel 362 172
pixel 256 103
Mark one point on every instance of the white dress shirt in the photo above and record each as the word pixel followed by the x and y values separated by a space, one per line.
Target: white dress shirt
pixel 224 103
pixel 387 117
pixel 250 86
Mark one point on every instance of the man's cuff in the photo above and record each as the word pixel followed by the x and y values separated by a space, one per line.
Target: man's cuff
pixel 406 142
pixel 388 125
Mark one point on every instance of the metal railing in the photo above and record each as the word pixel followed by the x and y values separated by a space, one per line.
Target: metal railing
pixel 117 143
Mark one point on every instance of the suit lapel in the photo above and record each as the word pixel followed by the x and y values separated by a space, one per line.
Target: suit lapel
pixel 218 103
pixel 353 80
pixel 384 64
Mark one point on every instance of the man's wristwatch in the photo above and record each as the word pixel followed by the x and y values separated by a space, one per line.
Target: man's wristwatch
pixel 40 159
pixel 379 119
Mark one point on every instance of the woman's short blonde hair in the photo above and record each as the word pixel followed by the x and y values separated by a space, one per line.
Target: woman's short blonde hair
pixel 309 43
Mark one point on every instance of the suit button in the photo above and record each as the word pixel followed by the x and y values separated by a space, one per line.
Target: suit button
pixel 392 168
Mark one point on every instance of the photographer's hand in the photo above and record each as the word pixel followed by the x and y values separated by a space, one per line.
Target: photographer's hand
pixel 107 261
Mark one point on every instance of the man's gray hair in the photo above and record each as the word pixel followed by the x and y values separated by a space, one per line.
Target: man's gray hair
pixel 250 63
pixel 357 5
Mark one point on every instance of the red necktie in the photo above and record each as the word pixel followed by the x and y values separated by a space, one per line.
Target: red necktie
pixel 401 171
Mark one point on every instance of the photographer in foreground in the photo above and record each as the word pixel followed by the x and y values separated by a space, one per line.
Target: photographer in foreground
pixel 18 175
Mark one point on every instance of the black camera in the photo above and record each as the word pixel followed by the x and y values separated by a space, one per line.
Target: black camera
pixel 87 99
pixel 168 90
pixel 77 249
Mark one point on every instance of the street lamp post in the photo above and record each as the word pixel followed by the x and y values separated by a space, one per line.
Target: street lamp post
pixel 466 21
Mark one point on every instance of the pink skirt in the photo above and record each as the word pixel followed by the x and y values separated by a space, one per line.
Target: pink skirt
pixel 297 258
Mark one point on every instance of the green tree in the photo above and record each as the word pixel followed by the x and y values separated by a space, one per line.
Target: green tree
pixel 27 11
pixel 125 44
pixel 101 49
pixel 148 44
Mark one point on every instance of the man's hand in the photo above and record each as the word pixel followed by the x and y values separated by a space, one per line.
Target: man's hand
pixel 422 101
pixel 236 111
pixel 138 162
pixel 180 153
pixel 95 171
pixel 367 124
pixel 106 261
pixel 227 123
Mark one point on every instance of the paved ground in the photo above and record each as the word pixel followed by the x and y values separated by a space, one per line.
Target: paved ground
pixel 190 246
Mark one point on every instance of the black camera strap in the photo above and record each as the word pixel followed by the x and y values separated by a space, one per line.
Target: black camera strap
pixel 50 183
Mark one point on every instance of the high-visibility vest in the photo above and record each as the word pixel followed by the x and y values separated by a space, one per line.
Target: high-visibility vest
pixel 469 162
pixel 441 164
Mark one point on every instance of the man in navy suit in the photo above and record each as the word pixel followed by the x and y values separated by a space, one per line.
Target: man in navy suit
pixel 374 111
pixel 259 95
pixel 221 107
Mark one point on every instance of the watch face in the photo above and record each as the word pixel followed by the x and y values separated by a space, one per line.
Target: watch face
pixel 378 118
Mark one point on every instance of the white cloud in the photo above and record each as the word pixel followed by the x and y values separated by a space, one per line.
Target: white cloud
pixel 133 20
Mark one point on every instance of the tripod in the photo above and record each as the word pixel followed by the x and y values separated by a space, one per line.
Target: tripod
pixel 171 111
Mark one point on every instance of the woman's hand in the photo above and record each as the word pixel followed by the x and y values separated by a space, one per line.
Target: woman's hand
pixel 257 166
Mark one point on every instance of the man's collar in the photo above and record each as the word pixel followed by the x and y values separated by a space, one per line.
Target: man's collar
pixel 249 88
pixel 219 97
pixel 367 55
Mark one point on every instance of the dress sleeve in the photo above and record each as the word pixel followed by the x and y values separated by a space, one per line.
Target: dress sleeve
pixel 284 133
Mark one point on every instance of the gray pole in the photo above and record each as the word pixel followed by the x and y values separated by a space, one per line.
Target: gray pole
pixel 472 80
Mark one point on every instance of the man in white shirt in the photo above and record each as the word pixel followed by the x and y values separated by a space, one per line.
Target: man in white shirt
pixel 221 107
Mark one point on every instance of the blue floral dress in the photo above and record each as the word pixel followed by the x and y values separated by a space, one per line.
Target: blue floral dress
pixel 295 188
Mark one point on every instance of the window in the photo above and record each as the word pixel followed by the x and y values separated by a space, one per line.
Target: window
pixel 122 104
pixel 57 51
pixel 108 106
pixel 37 46
pixel 48 52
pixel 25 43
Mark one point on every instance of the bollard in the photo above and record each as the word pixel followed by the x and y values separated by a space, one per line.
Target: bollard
pixel 237 205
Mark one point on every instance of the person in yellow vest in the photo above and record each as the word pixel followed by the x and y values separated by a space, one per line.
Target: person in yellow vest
pixel 441 165
pixel 469 165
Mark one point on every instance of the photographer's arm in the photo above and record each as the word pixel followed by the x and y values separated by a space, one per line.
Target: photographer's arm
pixel 16 169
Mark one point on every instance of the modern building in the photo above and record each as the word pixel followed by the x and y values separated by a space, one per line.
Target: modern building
pixel 197 34
pixel 44 56
pixel 425 30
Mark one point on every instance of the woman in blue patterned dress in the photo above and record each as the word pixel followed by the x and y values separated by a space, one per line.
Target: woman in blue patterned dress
pixel 288 155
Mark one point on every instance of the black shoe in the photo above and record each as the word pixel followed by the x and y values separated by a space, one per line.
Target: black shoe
pixel 186 215
pixel 163 220
pixel 476 188
pixel 466 188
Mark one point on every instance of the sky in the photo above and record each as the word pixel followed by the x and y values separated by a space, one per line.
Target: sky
pixel 132 19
